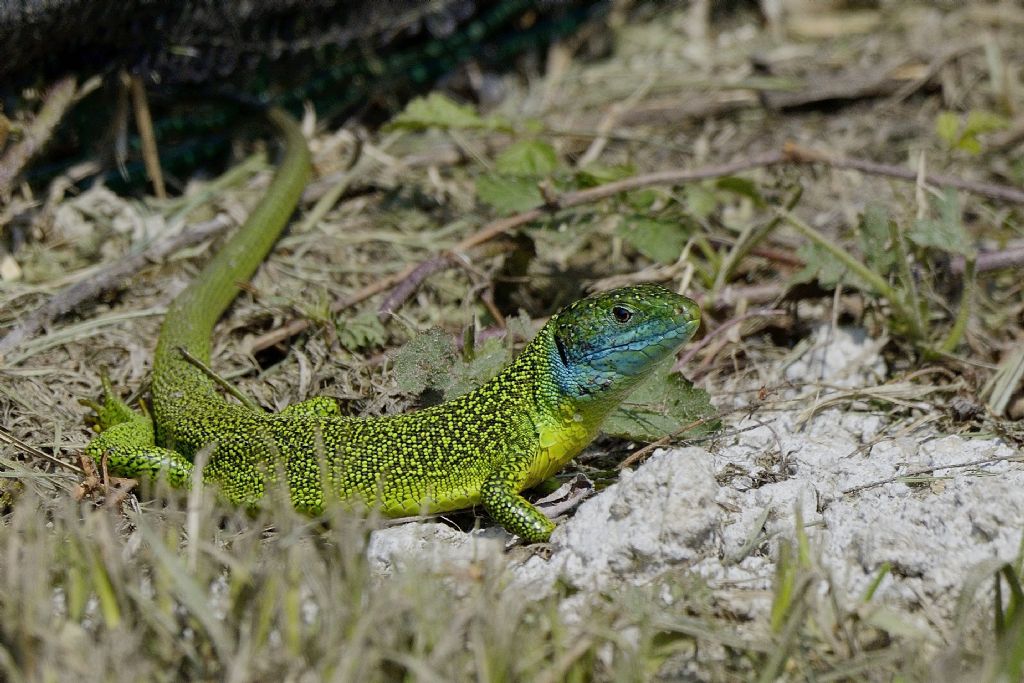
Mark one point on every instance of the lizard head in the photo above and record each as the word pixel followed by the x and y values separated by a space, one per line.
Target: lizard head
pixel 607 342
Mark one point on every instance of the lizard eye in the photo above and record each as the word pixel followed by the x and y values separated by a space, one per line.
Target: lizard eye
pixel 622 314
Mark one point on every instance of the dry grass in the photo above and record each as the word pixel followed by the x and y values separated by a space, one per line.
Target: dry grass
pixel 96 593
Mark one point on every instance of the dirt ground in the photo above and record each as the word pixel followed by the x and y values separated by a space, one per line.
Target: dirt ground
pixel 884 134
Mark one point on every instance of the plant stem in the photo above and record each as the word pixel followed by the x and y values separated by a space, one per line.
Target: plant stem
pixel 917 307
pixel 873 279
pixel 750 239
pixel 956 333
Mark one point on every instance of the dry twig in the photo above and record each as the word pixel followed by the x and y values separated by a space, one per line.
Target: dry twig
pixel 144 122
pixel 928 470
pixel 56 102
pixel 789 154
pixel 108 278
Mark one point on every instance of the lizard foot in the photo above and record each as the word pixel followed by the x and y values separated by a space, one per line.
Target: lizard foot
pixel 126 444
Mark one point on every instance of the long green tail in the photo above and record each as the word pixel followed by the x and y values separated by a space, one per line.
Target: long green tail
pixel 193 314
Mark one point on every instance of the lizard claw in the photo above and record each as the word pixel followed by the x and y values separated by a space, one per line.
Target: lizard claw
pixel 110 410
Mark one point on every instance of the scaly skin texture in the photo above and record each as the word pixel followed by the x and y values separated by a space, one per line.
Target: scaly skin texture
pixel 484 447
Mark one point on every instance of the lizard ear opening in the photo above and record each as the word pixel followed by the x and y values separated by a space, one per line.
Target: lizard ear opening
pixel 561 350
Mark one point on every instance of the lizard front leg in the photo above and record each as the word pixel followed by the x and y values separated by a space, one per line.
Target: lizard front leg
pixel 499 495
pixel 128 445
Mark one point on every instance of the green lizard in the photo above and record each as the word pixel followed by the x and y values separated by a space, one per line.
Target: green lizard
pixel 483 447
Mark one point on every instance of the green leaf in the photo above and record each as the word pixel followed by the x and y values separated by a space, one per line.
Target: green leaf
pixel 700 202
pixel 361 331
pixel 947 127
pixel 662 404
pixel 945 232
pixel 595 174
pixel 643 200
pixel 660 241
pixel 876 238
pixel 741 186
pixel 978 122
pixel 527 158
pixel 825 268
pixel 981 121
pixel 969 144
pixel 437 111
pixel 429 361
pixel 508 194
pixel 425 362
pixel 488 360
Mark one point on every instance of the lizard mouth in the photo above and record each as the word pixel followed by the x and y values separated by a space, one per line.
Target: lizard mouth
pixel 681 332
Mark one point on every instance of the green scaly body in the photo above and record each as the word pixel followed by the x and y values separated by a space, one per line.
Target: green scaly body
pixel 486 446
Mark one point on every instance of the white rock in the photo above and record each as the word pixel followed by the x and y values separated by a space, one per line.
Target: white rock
pixel 432 544
pixel 840 356
pixel 663 514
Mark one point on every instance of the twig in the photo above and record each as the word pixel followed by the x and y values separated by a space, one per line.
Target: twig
pixel 802 155
pixel 593 194
pixel 56 102
pixel 298 325
pixel 722 329
pixel 219 381
pixel 996 259
pixel 929 470
pixel 642 453
pixel 791 153
pixel 108 278
pixel 411 283
pixel 144 122
pixel 9 438
pixel 828 90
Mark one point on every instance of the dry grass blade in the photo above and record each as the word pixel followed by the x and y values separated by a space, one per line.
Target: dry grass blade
pixel 1005 383
pixel 929 470
pixel 78 331
pixel 906 394
pixel 31 450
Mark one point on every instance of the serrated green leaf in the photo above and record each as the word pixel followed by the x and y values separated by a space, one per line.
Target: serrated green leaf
pixel 489 358
pixel 741 186
pixel 438 111
pixel 527 158
pixel 875 238
pixel 660 241
pixel 946 231
pixel 425 362
pixel 662 404
pixel 947 127
pixel 824 267
pixel 361 331
pixel 429 361
pixel 508 194
pixel 519 326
